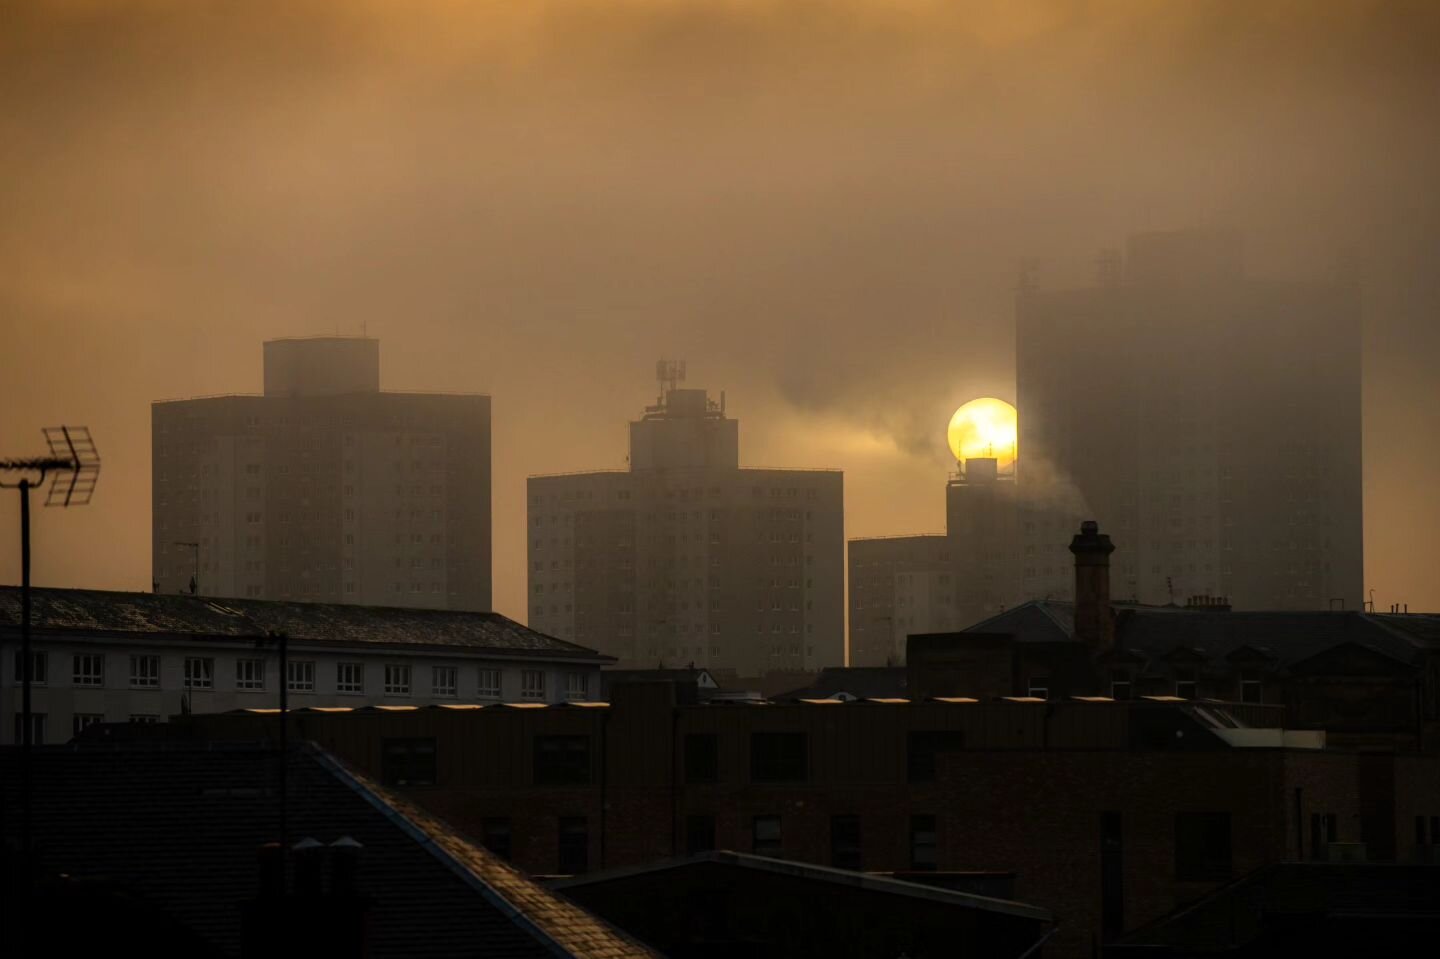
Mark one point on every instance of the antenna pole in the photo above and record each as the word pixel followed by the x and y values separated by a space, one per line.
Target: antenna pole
pixel 27 720
pixel 73 454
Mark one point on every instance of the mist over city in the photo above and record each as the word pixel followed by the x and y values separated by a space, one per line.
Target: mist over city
pixel 1060 376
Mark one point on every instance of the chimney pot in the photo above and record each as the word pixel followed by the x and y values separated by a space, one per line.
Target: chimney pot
pixel 345 854
pixel 309 866
pixel 272 870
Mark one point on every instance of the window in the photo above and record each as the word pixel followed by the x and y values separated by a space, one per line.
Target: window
pixel 144 671
pixel 301 676
pixel 407 762
pixel 923 843
pixel 562 760
pixel 765 836
pixel 577 686
pixel 1185 682
pixel 37 728
pixel 89 670
pixel 1202 846
pixel 699 834
pixel 532 684
pixel 38 666
pixel 1250 686
pixel 397 680
pixel 702 758
pixel 1039 687
pixel 489 687
pixel 845 842
pixel 924 746
pixel 199 673
pixel 495 835
pixel 1331 831
pixel 1120 687
pixel 444 681
pixel 777 757
pixel 350 677
pixel 82 721
pixel 144 719
pixel 572 852
pixel 250 674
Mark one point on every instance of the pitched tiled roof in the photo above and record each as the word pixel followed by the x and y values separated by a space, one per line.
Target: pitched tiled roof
pixel 89 610
pixel 180 826
pixel 575 931
pixel 1286 637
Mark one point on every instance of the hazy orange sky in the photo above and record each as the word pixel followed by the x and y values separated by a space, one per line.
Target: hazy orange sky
pixel 820 204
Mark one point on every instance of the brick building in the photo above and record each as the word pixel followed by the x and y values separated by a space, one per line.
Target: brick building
pixel 1110 814
pixel 1370 680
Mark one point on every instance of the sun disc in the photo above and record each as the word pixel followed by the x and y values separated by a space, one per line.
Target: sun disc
pixel 984 427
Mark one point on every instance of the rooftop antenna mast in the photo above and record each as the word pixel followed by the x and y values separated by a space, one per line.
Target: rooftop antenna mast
pixel 670 374
pixel 73 467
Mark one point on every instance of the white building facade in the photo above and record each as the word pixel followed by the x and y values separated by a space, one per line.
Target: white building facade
pixel 141 657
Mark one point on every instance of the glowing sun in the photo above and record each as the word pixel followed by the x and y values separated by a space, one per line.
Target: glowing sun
pixel 984 427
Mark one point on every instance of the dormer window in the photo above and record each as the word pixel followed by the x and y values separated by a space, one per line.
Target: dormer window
pixel 1185 684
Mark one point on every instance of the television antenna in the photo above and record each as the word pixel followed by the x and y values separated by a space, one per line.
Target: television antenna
pixel 73 467
pixel 670 374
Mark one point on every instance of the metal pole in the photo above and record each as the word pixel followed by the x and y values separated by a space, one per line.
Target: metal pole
pixel 284 722
pixel 26 667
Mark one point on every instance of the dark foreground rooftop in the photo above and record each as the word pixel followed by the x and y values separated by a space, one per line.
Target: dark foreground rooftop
pixel 178 827
pixel 736 904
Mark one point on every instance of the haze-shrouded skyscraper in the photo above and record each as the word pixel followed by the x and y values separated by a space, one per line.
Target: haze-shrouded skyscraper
pixel 685 557
pixel 1208 419
pixel 324 488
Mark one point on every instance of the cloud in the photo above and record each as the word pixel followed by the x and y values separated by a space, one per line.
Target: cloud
pixel 821 204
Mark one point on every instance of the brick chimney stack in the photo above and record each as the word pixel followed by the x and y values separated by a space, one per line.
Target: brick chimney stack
pixel 1094 619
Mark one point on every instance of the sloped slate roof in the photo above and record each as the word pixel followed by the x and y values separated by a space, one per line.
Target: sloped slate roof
pixel 576 932
pixel 89 610
pixel 1287 637
pixel 180 825
pixel 740 862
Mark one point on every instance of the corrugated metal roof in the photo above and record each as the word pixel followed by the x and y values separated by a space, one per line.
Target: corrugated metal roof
pixel 99 611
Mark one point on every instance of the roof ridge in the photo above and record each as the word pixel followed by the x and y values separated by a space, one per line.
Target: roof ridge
pixel 479 867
